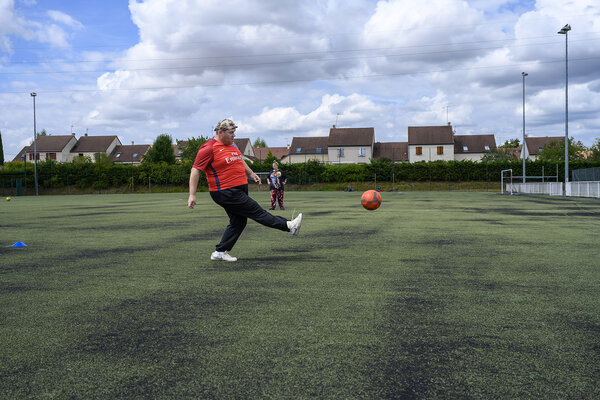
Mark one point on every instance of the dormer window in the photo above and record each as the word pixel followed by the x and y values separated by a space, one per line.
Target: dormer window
pixel 117 155
pixel 487 148
pixel 319 149
pixel 134 155
pixel 298 149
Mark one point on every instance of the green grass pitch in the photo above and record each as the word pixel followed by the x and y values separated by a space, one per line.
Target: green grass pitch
pixel 434 295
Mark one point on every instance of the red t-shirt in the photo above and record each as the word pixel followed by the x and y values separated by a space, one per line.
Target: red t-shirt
pixel 223 165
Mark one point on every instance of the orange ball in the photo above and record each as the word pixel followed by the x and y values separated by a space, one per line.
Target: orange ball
pixel 371 200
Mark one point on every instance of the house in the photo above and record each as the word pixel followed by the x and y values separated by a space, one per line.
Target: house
pixel 350 145
pixel 178 149
pixel 305 149
pixel 89 146
pixel 533 145
pixel 430 143
pixel 279 153
pixel 129 154
pixel 393 151
pixel 57 148
pixel 472 147
pixel 245 147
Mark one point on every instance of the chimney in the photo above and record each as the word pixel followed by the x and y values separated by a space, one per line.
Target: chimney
pixel 86 134
pixel 132 142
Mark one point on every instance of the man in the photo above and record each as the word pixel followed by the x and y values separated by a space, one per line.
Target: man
pixel 226 173
pixel 277 179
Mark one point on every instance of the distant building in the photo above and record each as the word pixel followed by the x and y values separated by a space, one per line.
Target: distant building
pixel 129 154
pixel 90 146
pixel 350 145
pixel 473 147
pixel 305 149
pixel 430 143
pixel 393 151
pixel 279 153
pixel 533 145
pixel 57 148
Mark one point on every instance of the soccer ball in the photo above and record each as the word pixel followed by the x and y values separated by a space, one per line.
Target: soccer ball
pixel 371 200
pixel 8 199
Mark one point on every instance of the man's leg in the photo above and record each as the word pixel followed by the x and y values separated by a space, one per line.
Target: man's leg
pixel 237 202
pixel 233 232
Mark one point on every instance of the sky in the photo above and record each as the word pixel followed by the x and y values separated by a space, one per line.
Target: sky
pixel 282 69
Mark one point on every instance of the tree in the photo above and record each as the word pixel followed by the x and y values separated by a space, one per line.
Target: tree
pixel 500 154
pixel 555 151
pixel 259 143
pixel 42 133
pixel 191 149
pixel 595 156
pixel 511 143
pixel 1 151
pixel 161 150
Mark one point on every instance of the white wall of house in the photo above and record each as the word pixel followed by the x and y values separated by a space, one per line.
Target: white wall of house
pixel 430 153
pixel 302 158
pixel 350 154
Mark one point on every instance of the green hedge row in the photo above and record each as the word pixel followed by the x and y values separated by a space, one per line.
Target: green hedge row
pixel 103 176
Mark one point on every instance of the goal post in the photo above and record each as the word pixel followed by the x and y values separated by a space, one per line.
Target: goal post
pixel 502 180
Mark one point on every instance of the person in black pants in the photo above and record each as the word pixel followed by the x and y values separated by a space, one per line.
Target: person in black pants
pixel 226 173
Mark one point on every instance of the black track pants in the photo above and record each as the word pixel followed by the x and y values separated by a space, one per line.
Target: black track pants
pixel 239 206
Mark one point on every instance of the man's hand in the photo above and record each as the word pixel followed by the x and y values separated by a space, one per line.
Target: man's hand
pixel 255 178
pixel 192 201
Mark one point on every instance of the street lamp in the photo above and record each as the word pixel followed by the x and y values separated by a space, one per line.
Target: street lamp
pixel 524 74
pixel 33 94
pixel 564 31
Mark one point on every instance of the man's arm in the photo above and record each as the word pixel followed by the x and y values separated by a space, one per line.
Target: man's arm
pixel 251 173
pixel 194 178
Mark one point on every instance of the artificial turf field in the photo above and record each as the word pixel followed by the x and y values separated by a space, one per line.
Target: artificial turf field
pixel 455 295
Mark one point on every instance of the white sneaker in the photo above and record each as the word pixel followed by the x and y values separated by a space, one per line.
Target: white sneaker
pixel 294 225
pixel 222 255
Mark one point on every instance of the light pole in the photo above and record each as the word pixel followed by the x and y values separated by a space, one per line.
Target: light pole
pixel 564 31
pixel 33 94
pixel 524 74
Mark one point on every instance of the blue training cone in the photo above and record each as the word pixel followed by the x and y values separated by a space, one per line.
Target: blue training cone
pixel 19 244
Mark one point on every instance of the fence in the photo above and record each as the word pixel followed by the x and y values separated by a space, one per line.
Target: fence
pixel 549 188
pixel 586 174
pixel 583 189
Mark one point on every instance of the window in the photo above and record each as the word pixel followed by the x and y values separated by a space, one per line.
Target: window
pixel 134 155
pixel 540 149
pixel 465 148
pixel 50 156
pixel 31 156
pixel 340 152
pixel 487 148
pixel 361 152
pixel 319 149
pixel 419 150
pixel 440 150
pixel 298 149
pixel 117 155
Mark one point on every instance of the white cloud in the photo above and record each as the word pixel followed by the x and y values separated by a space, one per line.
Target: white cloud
pixel 65 19
pixel 388 64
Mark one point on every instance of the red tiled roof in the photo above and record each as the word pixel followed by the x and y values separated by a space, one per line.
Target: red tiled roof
pixel 89 144
pixel 278 152
pixel 430 135
pixel 351 137
pixel 394 151
pixel 464 144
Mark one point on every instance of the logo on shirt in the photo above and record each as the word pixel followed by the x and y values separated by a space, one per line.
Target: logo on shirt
pixel 235 157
